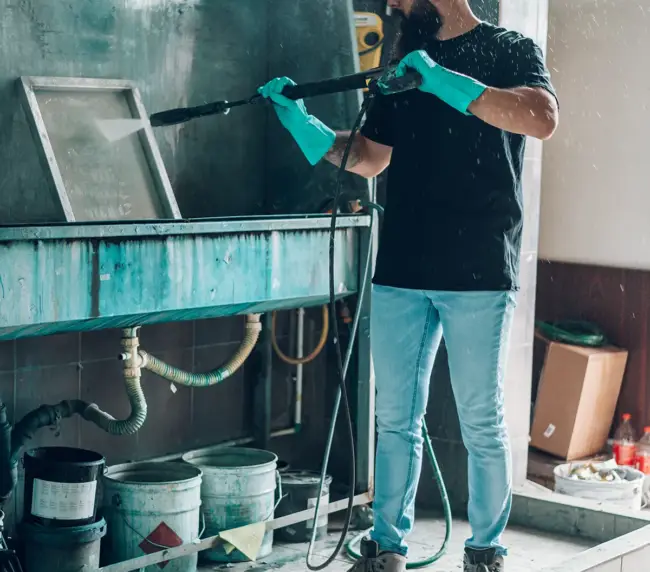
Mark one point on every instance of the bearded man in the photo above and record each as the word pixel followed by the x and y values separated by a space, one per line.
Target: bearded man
pixel 448 259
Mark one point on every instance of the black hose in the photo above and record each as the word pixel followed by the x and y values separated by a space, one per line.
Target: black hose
pixel 372 49
pixel 44 416
pixel 12 441
pixel 340 366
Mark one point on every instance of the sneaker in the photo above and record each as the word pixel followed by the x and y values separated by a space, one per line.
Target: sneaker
pixel 372 560
pixel 483 561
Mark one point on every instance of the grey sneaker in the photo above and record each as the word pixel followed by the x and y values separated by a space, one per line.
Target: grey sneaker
pixel 483 561
pixel 372 560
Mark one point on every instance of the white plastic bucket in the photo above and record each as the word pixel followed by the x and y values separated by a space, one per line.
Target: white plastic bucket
pixel 626 494
pixel 239 488
pixel 150 506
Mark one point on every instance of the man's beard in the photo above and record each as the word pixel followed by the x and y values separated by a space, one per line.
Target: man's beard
pixel 417 29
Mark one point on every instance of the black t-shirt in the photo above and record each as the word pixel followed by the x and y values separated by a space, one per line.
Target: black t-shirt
pixel 454 208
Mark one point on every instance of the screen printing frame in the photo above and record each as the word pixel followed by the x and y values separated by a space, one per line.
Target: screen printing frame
pixel 30 85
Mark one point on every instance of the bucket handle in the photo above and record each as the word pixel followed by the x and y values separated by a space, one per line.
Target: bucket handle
pixel 278 491
pixel 202 521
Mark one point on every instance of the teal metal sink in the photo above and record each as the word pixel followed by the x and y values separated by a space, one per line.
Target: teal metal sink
pixel 78 277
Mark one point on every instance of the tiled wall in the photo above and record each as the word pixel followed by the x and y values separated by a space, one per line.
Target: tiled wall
pixel 50 369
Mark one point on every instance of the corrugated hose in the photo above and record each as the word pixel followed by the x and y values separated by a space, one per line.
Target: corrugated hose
pixel 132 375
pixel 176 375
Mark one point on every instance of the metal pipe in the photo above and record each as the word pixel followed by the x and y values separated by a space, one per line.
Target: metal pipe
pixel 300 348
pixel 285 432
pixel 262 369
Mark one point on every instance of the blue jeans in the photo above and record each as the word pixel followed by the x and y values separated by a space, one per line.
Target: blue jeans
pixel 406 330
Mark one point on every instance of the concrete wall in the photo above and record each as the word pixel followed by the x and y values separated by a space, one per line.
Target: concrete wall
pixel 298 34
pixel 179 52
pixel 182 52
pixel 594 234
pixel 595 199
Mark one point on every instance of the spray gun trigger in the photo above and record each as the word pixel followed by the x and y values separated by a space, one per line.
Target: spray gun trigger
pixel 390 83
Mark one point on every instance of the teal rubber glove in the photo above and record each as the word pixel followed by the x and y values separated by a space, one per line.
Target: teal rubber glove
pixel 455 89
pixel 314 138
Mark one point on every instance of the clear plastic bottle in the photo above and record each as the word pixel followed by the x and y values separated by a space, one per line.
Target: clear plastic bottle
pixel 643 452
pixel 625 443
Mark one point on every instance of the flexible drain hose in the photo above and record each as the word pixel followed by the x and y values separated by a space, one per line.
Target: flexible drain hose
pixel 313 355
pixel 175 375
pixel 132 374
pixel 132 423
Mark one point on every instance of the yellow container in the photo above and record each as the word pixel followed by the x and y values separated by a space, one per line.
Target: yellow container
pixel 370 39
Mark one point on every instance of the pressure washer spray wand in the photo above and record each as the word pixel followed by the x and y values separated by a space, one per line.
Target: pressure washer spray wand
pixel 382 81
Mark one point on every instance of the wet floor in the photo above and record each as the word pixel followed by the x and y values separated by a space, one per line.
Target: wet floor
pixel 529 550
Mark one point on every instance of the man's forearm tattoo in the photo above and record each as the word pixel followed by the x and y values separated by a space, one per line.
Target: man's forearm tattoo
pixel 335 154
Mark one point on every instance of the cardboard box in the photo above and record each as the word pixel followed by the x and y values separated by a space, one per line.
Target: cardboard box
pixel 576 400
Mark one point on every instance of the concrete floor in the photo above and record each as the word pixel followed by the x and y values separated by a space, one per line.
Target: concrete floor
pixel 528 550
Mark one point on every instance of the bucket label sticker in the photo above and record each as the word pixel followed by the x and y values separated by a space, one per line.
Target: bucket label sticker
pixel 63 501
pixel 322 516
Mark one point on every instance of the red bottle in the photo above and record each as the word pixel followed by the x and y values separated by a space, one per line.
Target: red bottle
pixel 625 443
pixel 643 452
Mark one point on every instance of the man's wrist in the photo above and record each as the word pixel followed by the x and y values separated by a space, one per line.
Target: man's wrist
pixel 457 90
pixel 317 139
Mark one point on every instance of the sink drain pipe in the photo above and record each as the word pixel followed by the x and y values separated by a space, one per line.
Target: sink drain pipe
pixel 14 439
pixel 176 375
pixel 134 361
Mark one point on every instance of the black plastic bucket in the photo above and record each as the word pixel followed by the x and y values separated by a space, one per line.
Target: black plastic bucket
pixel 71 549
pixel 300 491
pixel 61 486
